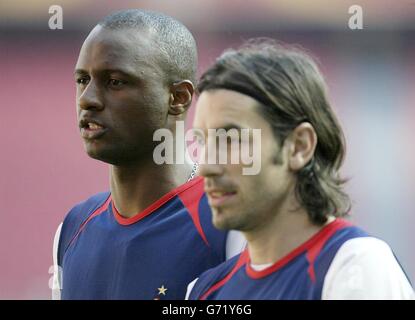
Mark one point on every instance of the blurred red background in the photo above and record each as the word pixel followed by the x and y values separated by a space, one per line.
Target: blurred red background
pixel 44 170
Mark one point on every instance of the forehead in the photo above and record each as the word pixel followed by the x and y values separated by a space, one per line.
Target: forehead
pixel 225 108
pixel 124 49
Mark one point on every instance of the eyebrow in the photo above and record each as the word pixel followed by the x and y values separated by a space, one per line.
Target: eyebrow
pixel 230 126
pixel 227 127
pixel 107 71
pixel 79 71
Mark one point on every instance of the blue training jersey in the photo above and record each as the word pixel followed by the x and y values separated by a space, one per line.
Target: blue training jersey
pixel 153 255
pixel 299 275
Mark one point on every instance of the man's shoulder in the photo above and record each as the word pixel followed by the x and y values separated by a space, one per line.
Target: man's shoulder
pixel 366 268
pixel 85 208
pixel 93 200
pixel 76 217
pixel 215 275
pixel 80 213
pixel 332 237
pixel 228 266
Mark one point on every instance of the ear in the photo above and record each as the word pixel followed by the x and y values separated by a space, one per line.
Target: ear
pixel 302 144
pixel 181 94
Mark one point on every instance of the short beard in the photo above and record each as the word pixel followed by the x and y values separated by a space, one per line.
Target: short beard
pixel 235 222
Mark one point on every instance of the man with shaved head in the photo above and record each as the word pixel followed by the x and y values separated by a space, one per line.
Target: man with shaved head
pixel 151 233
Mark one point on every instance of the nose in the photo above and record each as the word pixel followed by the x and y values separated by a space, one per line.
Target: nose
pixel 209 165
pixel 210 170
pixel 89 98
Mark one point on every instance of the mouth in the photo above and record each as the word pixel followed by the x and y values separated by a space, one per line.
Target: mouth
pixel 218 198
pixel 91 129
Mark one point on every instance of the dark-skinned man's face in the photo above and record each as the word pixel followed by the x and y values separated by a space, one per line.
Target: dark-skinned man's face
pixel 122 95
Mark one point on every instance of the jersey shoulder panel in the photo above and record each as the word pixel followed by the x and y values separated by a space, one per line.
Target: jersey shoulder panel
pixel 330 247
pixel 217 239
pixel 213 278
pixel 75 218
pixel 320 263
pixel 195 201
pixel 366 268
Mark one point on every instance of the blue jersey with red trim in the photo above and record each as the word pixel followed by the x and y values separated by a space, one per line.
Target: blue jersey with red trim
pixel 153 255
pixel 299 275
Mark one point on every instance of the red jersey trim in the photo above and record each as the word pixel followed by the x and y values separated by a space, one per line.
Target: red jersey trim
pixel 315 250
pixel 191 201
pixel 155 205
pixel 313 246
pixel 243 258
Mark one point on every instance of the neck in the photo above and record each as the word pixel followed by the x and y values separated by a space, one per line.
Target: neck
pixel 286 231
pixel 135 187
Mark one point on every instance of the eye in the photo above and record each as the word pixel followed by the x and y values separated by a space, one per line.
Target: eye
pixel 116 82
pixel 82 80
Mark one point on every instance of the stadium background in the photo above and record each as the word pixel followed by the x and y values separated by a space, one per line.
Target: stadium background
pixel 44 170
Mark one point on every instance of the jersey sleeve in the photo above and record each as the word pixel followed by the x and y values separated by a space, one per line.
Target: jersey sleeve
pixel 190 288
pixel 235 243
pixel 366 269
pixel 57 271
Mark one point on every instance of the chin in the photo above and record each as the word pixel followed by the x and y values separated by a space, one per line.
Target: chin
pixel 100 155
pixel 220 225
pixel 224 221
pixel 93 152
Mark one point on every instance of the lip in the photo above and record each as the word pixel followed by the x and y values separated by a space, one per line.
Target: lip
pixel 218 198
pixel 91 133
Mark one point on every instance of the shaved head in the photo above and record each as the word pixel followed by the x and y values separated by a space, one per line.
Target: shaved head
pixel 175 43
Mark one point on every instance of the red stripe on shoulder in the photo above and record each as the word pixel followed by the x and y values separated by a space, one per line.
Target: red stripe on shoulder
pixel 243 259
pixel 97 212
pixel 312 247
pixel 191 198
pixel 155 205
pixel 325 234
